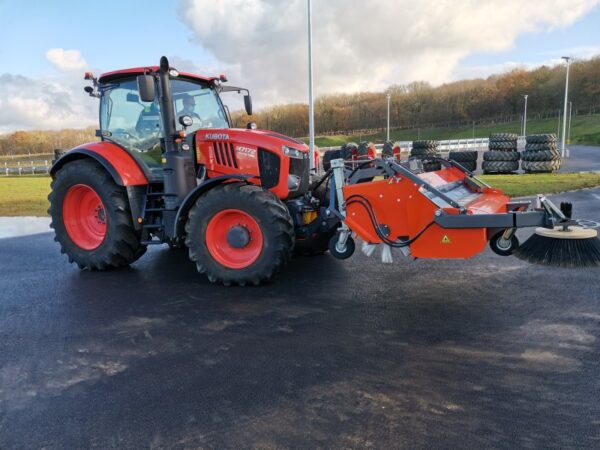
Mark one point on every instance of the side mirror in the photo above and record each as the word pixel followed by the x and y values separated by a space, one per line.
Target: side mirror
pixel 248 104
pixel 132 98
pixel 146 87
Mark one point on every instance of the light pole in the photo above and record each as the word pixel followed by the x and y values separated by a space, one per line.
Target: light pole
pixel 389 96
pixel 311 110
pixel 564 130
pixel 569 133
pixel 525 115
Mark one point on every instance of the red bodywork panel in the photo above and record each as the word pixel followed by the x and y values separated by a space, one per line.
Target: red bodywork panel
pixel 406 212
pixel 123 163
pixel 235 151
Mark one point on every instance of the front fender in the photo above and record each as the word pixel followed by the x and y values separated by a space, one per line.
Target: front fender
pixel 191 198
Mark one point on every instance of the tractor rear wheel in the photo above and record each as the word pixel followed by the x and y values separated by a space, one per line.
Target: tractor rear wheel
pixel 91 218
pixel 239 234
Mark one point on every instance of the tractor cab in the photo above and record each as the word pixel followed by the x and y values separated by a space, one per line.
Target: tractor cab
pixel 136 125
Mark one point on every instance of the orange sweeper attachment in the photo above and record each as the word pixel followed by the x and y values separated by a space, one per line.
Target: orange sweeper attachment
pixel 448 213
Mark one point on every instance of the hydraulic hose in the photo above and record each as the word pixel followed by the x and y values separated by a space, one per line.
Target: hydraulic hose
pixel 364 202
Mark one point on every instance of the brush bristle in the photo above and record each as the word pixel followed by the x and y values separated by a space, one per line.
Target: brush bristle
pixel 560 252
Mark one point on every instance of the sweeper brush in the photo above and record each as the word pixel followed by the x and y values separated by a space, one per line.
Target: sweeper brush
pixel 562 246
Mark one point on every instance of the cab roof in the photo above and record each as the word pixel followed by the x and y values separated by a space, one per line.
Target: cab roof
pixel 116 74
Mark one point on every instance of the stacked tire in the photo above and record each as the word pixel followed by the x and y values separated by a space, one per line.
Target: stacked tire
pixel 541 154
pixel 426 151
pixel 502 155
pixel 345 152
pixel 391 150
pixel 467 159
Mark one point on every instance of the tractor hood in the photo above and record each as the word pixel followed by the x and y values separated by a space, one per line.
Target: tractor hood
pixel 256 138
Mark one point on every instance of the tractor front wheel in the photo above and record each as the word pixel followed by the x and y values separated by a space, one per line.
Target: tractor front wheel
pixel 239 234
pixel 91 218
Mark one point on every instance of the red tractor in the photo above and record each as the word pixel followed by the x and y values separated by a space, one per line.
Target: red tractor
pixel 170 169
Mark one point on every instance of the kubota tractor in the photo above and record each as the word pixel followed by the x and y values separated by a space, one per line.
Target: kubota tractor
pixel 169 168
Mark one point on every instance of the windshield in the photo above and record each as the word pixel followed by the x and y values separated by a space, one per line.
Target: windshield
pixel 200 102
pixel 132 123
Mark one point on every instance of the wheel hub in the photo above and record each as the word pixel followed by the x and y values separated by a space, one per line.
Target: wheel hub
pixel 238 236
pixel 84 217
pixel 234 238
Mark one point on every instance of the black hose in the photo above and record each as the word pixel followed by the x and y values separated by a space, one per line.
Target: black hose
pixel 364 202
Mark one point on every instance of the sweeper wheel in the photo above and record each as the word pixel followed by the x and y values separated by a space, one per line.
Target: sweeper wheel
pixel 348 251
pixel 504 247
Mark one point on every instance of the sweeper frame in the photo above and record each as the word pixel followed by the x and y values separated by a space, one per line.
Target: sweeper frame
pixel 443 214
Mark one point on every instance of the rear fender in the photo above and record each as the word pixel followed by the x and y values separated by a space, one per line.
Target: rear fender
pixel 121 166
pixel 191 198
pixel 115 159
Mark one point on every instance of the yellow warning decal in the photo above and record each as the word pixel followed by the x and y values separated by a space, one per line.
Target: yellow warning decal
pixel 446 239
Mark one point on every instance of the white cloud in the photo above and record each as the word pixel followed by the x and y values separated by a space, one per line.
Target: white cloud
pixel 49 103
pixel 361 45
pixel 66 60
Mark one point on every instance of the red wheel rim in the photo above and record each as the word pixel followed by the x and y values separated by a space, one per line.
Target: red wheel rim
pixel 238 255
pixel 84 217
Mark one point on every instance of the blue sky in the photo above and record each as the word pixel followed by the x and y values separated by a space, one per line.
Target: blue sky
pixel 46 45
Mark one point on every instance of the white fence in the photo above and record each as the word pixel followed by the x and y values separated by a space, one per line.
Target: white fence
pixel 25 167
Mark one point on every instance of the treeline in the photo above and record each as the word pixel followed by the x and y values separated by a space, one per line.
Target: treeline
pixel 497 98
pixel 44 141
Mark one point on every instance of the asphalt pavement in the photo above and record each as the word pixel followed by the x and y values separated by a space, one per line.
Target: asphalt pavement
pixel 486 353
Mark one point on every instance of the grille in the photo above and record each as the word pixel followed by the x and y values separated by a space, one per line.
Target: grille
pixel 269 167
pixel 301 168
pixel 225 154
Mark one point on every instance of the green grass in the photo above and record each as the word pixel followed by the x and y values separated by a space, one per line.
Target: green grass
pixel 584 130
pixel 24 195
pixel 27 195
pixel 551 183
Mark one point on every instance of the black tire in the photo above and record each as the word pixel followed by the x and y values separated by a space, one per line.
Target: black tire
pixel 464 156
pixel 347 253
pixel 431 166
pixel 540 166
pixel 363 149
pixel 540 138
pixel 328 156
pixel 471 166
pixel 503 137
pixel 425 144
pixel 503 146
pixel 500 166
pixel 265 208
pixel 493 155
pixel 542 146
pixel 503 247
pixel 388 150
pixel 424 152
pixel 121 245
pixel 349 149
pixel 540 155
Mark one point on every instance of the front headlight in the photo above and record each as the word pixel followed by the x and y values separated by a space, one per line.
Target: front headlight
pixel 292 152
